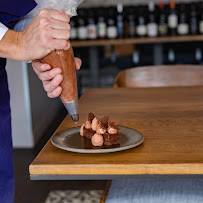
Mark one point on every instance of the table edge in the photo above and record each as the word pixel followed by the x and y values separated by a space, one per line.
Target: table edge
pixel 114 177
pixel 118 169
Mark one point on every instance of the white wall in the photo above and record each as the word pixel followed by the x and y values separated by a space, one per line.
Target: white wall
pixel 22 133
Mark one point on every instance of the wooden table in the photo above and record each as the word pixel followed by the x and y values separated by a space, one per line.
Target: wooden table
pixel 171 120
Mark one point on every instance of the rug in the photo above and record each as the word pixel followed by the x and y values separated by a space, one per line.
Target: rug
pixel 74 196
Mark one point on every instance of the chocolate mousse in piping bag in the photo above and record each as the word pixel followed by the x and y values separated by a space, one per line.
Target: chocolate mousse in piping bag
pixel 64 59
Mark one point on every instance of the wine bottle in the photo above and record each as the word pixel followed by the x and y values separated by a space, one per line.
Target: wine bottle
pixel 82 28
pixel 141 29
pixel 91 26
pixel 112 32
pixel 152 27
pixel 201 18
pixel 183 26
pixel 163 27
pixel 172 19
pixel 126 14
pixel 120 21
pixel 130 24
pixel 193 19
pixel 101 26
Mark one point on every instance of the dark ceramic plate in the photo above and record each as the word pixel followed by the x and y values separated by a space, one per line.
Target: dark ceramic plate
pixel 71 140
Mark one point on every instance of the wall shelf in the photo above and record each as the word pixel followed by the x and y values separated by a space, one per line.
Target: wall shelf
pixel 145 40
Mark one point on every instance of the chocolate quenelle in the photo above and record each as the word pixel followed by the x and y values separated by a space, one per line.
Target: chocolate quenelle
pixel 64 59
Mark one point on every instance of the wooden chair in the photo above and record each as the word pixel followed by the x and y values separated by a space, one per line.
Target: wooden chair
pixel 160 76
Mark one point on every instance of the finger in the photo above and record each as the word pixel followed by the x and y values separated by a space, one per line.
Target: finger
pixel 78 63
pixel 59 44
pixel 37 65
pixel 55 93
pixel 49 86
pixel 58 15
pixel 35 69
pixel 55 24
pixel 49 75
pixel 60 34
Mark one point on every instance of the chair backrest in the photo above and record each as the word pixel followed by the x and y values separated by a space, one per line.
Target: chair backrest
pixel 161 76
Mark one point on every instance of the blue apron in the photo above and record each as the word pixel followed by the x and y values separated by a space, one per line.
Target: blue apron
pixel 10 12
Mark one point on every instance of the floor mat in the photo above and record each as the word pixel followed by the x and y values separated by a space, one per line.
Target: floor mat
pixel 74 196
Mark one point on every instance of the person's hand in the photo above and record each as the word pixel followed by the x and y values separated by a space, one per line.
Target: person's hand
pixel 48 31
pixel 51 78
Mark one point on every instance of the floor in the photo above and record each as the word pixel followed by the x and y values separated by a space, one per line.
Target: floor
pixel 27 191
pixel 37 191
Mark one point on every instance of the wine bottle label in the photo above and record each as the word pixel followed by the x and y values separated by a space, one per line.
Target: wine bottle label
pixel 163 29
pixel 141 30
pixel 183 29
pixel 152 30
pixel 82 32
pixel 112 32
pixel 102 30
pixel 92 31
pixel 73 33
pixel 172 21
pixel 201 27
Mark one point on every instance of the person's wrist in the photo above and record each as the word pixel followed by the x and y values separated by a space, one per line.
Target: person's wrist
pixel 19 48
pixel 10 46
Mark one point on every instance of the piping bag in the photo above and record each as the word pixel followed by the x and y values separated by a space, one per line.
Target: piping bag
pixel 64 59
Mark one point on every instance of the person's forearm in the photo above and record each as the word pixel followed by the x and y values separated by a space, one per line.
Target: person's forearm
pixel 49 30
pixel 10 46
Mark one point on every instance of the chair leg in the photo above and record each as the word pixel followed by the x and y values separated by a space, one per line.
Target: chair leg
pixel 106 191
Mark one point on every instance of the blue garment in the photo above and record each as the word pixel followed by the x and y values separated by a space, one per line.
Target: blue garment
pixel 6 162
pixel 10 12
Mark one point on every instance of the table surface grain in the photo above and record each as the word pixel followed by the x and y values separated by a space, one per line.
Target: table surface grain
pixel 171 120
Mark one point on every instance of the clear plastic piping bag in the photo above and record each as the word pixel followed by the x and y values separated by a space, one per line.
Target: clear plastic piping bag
pixel 67 6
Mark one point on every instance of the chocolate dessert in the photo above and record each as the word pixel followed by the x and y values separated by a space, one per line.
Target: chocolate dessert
pixel 91 116
pixel 86 129
pixel 101 132
pixel 88 133
pixel 111 139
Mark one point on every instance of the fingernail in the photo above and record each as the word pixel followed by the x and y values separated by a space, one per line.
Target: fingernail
pixel 56 71
pixel 58 89
pixel 58 78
